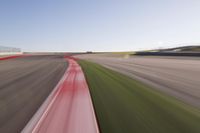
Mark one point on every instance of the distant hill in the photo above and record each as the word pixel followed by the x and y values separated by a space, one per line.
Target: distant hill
pixel 177 51
pixel 182 49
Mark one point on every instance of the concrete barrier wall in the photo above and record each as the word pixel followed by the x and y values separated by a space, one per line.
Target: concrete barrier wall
pixel 10 53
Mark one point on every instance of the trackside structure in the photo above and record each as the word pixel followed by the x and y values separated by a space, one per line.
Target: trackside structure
pixel 9 50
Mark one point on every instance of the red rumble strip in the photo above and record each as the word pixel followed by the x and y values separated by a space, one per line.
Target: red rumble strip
pixel 69 108
pixel 10 57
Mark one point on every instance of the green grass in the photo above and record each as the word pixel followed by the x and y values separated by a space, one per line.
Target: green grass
pixel 124 105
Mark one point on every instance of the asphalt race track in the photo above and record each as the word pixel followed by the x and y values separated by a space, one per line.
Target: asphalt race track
pixel 25 84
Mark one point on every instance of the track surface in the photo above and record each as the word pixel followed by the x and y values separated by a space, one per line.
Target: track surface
pixel 179 77
pixel 70 109
pixel 25 84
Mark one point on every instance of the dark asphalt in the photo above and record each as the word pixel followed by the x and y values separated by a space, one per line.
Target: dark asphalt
pixel 24 85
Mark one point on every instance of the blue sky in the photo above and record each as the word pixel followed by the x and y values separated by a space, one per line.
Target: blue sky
pixel 98 25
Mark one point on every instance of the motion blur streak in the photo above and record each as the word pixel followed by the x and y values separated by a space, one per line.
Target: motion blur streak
pixel 25 83
pixel 177 76
pixel 70 110
pixel 10 57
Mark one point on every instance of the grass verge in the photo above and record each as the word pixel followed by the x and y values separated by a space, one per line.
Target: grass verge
pixel 124 105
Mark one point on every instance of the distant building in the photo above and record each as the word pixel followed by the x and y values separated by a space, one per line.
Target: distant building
pixel 9 50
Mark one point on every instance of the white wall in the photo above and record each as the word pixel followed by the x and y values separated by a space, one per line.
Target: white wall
pixel 10 53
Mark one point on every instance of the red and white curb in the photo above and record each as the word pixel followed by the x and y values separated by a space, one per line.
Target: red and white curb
pixel 68 109
pixel 10 57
